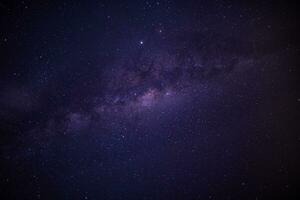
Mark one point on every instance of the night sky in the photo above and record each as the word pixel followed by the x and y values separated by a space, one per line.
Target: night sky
pixel 149 100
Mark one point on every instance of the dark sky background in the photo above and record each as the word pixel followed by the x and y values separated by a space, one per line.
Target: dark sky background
pixel 149 100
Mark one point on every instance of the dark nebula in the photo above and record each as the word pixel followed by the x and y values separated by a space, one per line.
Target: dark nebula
pixel 149 100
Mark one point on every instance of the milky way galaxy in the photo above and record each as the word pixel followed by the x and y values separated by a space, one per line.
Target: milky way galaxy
pixel 145 99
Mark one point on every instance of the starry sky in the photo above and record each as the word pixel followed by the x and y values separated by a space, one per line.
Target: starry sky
pixel 142 99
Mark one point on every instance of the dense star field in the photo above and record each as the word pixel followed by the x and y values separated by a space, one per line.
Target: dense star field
pixel 149 100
